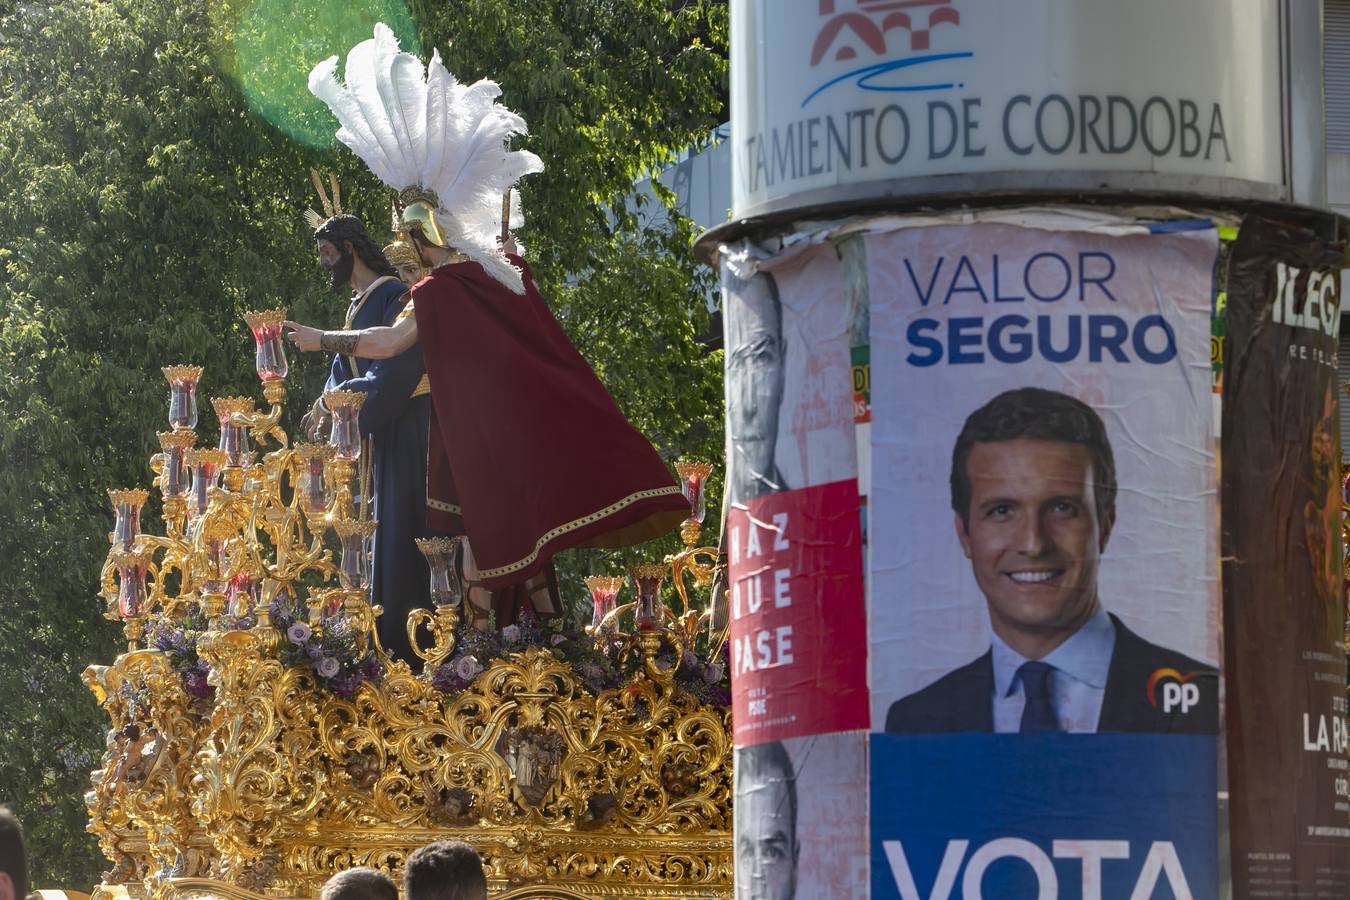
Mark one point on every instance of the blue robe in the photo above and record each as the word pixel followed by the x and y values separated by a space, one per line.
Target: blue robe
pixel 396 423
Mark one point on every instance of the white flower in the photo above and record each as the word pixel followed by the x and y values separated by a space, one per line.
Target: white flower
pixel 327 667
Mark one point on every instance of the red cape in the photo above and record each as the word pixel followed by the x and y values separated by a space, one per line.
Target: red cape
pixel 528 453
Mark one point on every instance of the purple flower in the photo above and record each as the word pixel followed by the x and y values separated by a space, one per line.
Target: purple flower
pixel 298 633
pixel 689 660
pixel 346 685
pixel 467 667
pixel 198 686
pixel 713 674
pixel 511 634
pixel 557 639
pixel 327 667
pixel 314 649
pixel 443 678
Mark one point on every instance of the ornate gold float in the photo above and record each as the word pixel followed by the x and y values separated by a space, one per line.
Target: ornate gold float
pixel 580 764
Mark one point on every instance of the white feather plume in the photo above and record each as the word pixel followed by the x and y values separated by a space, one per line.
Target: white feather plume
pixel 423 128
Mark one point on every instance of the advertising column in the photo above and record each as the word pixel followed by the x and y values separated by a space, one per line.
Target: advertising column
pixel 981 644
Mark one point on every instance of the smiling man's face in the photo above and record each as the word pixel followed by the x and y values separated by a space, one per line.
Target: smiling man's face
pixel 1034 539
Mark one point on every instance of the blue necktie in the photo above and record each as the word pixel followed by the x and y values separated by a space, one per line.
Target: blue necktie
pixel 1039 712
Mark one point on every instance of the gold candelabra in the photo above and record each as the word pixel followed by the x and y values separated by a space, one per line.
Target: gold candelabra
pixel 235 762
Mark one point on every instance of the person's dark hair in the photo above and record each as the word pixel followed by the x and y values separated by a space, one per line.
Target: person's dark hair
pixel 343 228
pixel 445 870
pixel 13 857
pixel 766 762
pixel 1041 415
pixel 361 883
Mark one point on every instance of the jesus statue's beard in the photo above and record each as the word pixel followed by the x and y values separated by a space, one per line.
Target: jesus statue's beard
pixel 340 273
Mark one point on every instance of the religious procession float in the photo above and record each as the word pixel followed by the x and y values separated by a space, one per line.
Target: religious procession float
pixel 261 739
pixel 268 728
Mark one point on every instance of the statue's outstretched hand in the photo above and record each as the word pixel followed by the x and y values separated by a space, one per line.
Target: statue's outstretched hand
pixel 304 338
pixel 316 422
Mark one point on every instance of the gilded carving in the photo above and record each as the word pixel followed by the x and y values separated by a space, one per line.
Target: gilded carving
pixel 260 739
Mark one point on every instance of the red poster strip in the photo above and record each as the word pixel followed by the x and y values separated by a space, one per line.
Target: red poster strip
pixel 798 624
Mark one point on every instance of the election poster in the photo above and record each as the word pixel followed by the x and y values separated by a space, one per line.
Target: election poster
pixel 800 818
pixel 1043 589
pixel 793 531
pixel 1284 610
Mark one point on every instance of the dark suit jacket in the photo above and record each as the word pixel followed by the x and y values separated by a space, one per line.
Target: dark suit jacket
pixel 962 700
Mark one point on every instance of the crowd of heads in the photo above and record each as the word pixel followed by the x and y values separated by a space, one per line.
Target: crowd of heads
pixel 445 870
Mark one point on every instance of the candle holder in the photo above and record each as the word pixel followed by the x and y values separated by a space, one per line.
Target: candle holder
pixel 442 556
pixel 131 593
pixel 170 464
pixel 205 465
pixel 693 484
pixel 345 435
pixel 127 505
pixel 270 357
pixel 182 396
pixel 604 589
pixel 270 363
pixel 447 597
pixel 313 490
pixel 700 562
pixel 218 552
pixel 647 578
pixel 345 439
pixel 233 432
pixel 355 537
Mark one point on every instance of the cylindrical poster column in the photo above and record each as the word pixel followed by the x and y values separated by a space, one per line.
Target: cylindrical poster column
pixel 1033 523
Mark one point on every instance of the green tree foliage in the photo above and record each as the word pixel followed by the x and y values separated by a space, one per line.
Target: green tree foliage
pixel 148 196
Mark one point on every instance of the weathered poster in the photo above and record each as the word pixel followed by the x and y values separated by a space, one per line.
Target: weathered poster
pixel 1043 591
pixel 798 638
pixel 801 827
pixel 793 531
pixel 1284 609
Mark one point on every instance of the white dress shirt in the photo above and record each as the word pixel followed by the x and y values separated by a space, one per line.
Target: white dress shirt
pixel 1077 684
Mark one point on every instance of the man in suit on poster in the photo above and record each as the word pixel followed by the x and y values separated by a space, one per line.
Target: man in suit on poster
pixel 1033 488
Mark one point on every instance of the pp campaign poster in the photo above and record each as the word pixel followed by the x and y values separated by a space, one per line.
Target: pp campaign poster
pixel 1043 596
